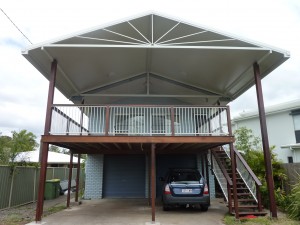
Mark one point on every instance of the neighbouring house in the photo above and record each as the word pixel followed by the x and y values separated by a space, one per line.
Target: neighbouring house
pixel 150 93
pixel 283 122
pixel 55 159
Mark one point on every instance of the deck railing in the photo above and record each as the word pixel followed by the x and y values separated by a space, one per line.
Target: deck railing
pixel 138 120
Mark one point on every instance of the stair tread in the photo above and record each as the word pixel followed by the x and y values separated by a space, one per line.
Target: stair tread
pixel 242 194
pixel 247 206
pixel 247 200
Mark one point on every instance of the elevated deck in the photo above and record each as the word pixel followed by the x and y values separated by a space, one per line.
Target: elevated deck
pixel 132 129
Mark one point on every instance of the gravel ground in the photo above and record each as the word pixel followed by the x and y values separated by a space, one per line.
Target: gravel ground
pixel 24 214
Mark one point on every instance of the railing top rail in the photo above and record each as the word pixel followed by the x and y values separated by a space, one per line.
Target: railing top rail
pixel 118 105
pixel 228 179
pixel 257 181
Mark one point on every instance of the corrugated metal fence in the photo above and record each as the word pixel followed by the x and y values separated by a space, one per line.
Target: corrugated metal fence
pixel 20 186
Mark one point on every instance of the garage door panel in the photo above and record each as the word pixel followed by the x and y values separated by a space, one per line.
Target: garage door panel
pixel 124 176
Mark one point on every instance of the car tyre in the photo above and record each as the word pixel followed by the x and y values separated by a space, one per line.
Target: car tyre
pixel 204 208
pixel 166 207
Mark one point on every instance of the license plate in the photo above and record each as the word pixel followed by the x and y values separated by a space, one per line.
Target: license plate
pixel 186 190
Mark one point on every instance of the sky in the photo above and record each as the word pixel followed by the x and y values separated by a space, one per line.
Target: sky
pixel 23 90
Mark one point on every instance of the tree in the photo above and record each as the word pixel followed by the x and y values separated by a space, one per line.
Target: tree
pixel 246 141
pixel 5 142
pixel 11 147
pixel 251 147
pixel 54 148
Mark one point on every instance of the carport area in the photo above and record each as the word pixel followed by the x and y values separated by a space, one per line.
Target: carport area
pixel 134 211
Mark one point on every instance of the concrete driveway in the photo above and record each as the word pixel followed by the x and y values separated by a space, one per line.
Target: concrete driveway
pixel 133 212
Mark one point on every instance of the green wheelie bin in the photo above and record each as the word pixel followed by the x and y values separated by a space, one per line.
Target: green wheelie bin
pixel 52 189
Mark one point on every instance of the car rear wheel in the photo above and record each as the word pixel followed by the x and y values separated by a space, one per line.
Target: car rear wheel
pixel 204 208
pixel 166 207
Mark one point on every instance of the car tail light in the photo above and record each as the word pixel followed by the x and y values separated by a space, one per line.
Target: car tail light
pixel 167 190
pixel 206 192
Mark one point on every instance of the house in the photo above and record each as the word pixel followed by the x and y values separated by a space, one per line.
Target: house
pixel 283 122
pixel 55 159
pixel 149 93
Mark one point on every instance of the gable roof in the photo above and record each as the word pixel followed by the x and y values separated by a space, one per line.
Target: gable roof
pixel 152 57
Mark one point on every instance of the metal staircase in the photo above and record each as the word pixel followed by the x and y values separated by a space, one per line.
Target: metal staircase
pixel 247 200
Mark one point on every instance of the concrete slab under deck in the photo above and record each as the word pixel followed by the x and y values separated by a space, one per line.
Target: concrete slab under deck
pixel 134 212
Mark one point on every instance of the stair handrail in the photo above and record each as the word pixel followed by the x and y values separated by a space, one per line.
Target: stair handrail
pixel 255 178
pixel 226 186
pixel 228 179
pixel 254 187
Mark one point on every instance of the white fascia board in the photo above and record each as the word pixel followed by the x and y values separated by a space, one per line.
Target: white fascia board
pixel 151 46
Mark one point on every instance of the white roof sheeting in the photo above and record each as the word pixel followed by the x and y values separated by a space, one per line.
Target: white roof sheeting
pixel 278 108
pixel 53 157
pixel 153 57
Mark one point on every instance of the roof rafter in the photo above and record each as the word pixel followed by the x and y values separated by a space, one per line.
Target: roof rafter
pixel 122 35
pixel 113 84
pixel 183 84
pixel 138 32
pixel 189 35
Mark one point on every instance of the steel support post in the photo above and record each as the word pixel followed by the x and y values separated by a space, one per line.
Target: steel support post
pixel 70 179
pixel 153 181
pixel 265 141
pixel 107 120
pixel 207 171
pixel 202 164
pixel 234 188
pixel 45 146
pixel 172 121
pixel 229 198
pixel 233 167
pixel 149 178
pixel 77 178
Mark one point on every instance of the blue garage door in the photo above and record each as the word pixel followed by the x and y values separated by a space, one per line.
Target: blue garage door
pixel 166 162
pixel 124 176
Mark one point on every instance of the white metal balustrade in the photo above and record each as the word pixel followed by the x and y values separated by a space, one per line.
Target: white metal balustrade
pixel 247 177
pixel 74 120
pixel 220 177
pixel 138 120
pixel 245 172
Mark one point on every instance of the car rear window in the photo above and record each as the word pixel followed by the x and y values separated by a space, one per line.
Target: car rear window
pixel 184 176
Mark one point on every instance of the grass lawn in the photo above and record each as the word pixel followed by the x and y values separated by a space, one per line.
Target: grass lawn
pixel 282 220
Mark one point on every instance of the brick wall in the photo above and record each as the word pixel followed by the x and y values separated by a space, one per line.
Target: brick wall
pixel 94 177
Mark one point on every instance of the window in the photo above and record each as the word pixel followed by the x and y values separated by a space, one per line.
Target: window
pixel 290 159
pixel 296 118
